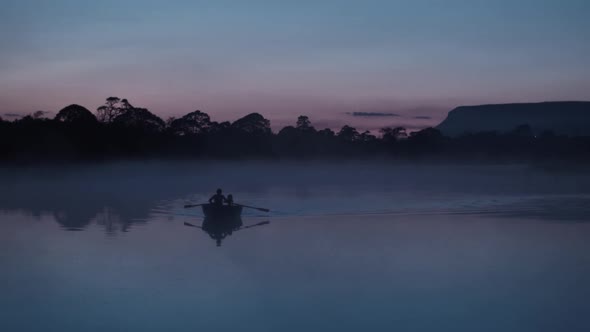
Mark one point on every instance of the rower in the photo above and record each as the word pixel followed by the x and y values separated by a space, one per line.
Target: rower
pixel 218 198
pixel 230 200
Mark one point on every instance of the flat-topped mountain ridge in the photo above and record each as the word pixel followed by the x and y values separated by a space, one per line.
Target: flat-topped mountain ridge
pixel 563 117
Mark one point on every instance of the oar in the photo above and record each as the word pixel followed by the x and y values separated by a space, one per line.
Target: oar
pixel 258 224
pixel 191 225
pixel 253 207
pixel 193 205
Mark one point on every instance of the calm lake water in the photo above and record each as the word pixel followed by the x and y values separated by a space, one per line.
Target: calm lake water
pixel 348 247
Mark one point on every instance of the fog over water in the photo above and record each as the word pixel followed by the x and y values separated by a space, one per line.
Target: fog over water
pixel 348 246
pixel 298 189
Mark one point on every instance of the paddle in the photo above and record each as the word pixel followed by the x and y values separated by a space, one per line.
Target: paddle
pixel 193 205
pixel 191 225
pixel 258 224
pixel 253 207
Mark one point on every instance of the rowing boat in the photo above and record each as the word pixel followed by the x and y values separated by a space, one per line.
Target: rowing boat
pixel 222 212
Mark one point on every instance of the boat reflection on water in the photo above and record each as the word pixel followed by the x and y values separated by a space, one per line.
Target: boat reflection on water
pixel 222 220
pixel 219 229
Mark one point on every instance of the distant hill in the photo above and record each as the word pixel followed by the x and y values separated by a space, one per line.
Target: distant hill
pixel 567 118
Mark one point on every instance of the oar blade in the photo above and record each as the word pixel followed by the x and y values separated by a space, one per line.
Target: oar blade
pixel 191 225
pixel 254 207
pixel 192 205
pixel 258 224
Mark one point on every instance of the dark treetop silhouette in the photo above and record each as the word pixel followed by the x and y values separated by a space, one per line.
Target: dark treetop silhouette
pixel 123 131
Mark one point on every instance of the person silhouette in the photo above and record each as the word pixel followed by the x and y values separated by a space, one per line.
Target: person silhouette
pixel 218 198
pixel 230 200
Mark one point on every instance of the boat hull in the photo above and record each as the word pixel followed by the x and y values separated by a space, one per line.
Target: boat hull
pixel 222 212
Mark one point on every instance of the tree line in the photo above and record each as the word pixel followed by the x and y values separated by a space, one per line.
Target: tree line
pixel 120 130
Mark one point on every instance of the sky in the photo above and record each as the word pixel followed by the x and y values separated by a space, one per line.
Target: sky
pixel 404 62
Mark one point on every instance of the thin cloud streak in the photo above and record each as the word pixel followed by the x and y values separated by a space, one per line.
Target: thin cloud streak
pixel 372 114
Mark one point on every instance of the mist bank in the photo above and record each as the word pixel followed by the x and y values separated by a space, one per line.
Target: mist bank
pixel 122 195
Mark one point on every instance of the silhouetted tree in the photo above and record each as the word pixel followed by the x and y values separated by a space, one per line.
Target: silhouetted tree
pixel 254 124
pixel 194 123
pixel 288 131
pixel 392 135
pixel 125 105
pixel 220 127
pixel 367 137
pixel 327 132
pixel 248 136
pixel 140 118
pixel 35 117
pixel 108 112
pixel 169 121
pixel 348 133
pixel 304 124
pixel 75 114
pixel 129 131
pixel 430 134
pixel 426 140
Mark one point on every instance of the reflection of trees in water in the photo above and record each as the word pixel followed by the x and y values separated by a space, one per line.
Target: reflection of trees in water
pixel 114 196
pixel 107 217
pixel 72 220
pixel 74 210
pixel 111 196
pixel 112 222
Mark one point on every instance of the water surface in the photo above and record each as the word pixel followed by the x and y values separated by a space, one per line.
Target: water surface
pixel 349 247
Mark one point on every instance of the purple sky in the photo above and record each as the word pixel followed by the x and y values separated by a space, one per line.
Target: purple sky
pixel 325 59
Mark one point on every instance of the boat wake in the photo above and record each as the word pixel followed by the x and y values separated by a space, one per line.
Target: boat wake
pixel 547 207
